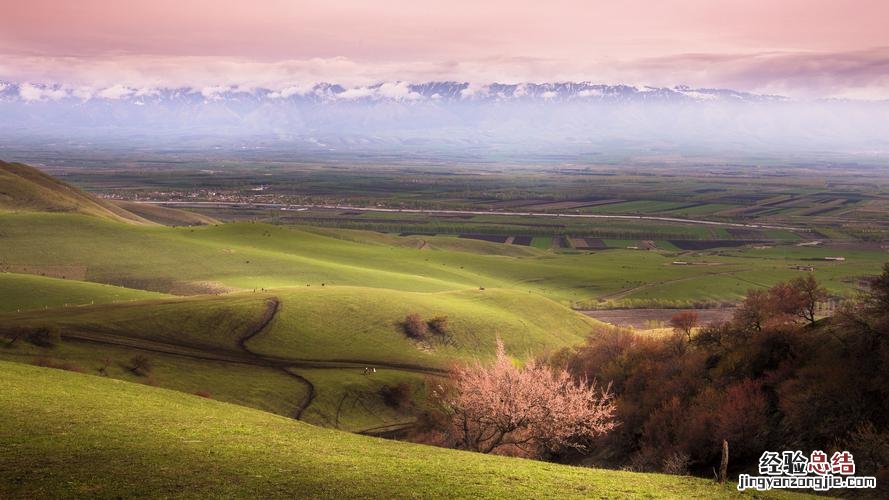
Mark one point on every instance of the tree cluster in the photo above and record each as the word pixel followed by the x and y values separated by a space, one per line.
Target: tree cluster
pixel 774 377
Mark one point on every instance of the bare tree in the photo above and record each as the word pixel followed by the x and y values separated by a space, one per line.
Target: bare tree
pixel 533 409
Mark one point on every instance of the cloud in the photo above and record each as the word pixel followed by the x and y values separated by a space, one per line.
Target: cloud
pixel 859 74
pixel 213 92
pixel 475 90
pixel 291 91
pixel 399 91
pixel 862 73
pixel 116 92
pixel 356 93
pixel 31 93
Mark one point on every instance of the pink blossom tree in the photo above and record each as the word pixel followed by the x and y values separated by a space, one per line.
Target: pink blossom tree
pixel 532 409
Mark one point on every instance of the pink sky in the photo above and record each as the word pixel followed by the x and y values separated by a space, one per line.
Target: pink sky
pixel 796 47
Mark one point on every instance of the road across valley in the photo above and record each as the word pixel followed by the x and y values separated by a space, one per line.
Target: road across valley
pixel 285 207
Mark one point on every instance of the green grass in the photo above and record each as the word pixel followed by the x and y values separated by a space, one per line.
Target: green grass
pixel 25 188
pixel 248 256
pixel 542 242
pixel 332 324
pixel 263 388
pixel 702 210
pixel 27 291
pixel 348 399
pixel 68 434
pixel 350 323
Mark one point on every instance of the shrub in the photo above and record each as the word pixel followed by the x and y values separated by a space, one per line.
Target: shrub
pixel 45 336
pixel 414 327
pixel 396 396
pixel 106 364
pixel 59 365
pixel 141 365
pixel 439 325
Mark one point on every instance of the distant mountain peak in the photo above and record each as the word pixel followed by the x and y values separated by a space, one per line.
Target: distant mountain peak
pixel 436 91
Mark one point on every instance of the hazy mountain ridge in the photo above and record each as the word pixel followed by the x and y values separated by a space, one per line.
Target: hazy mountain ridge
pixel 451 117
pixel 395 91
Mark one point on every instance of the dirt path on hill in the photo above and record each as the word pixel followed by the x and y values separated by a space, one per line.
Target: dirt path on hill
pixel 243 354
pixel 272 306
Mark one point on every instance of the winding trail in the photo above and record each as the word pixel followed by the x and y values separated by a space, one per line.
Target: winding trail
pixel 272 306
pixel 243 354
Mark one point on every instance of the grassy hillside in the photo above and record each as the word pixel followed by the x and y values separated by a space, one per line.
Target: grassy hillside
pixel 68 434
pixel 325 335
pixel 350 323
pixel 164 215
pixel 248 256
pixel 24 188
pixel 28 291
pixel 191 345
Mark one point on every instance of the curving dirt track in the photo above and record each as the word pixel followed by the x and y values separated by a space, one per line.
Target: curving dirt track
pixel 261 324
pixel 243 354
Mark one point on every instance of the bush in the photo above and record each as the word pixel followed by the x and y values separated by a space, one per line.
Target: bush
pixel 141 365
pixel 397 396
pixel 45 336
pixel 59 365
pixel 414 327
pixel 439 325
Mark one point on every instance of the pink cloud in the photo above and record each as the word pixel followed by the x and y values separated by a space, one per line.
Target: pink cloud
pixel 804 47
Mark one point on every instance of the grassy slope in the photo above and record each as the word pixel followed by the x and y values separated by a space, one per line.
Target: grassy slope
pixel 165 215
pixel 336 323
pixel 316 323
pixel 26 291
pixel 67 434
pixel 350 323
pixel 25 188
pixel 208 329
pixel 247 256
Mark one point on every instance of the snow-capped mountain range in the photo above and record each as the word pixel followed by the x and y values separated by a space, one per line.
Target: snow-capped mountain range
pixel 394 91
pixel 533 118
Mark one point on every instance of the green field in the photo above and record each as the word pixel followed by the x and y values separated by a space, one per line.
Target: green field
pixel 158 443
pixel 247 256
pixel 27 291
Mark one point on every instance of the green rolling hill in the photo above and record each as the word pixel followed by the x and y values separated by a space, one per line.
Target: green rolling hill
pixel 24 188
pixel 148 442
